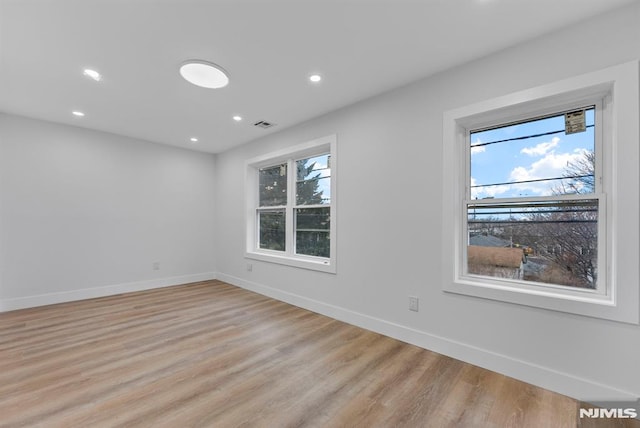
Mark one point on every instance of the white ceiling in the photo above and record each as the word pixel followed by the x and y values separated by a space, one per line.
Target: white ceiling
pixel 361 47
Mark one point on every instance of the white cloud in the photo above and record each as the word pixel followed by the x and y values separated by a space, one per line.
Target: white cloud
pixel 475 148
pixel 487 192
pixel 542 148
pixel 552 165
pixel 493 191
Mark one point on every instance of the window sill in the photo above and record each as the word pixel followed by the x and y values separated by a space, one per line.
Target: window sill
pixel 580 302
pixel 310 263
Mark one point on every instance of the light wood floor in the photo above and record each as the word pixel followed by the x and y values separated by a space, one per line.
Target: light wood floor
pixel 212 355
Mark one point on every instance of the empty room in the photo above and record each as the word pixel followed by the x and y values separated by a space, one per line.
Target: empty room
pixel 304 213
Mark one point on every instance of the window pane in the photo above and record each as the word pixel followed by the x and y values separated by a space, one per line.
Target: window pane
pixel 312 231
pixel 313 180
pixel 533 158
pixel 273 186
pixel 272 229
pixel 553 242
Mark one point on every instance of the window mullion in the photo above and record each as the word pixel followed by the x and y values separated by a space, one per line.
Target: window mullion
pixel 601 157
pixel 291 200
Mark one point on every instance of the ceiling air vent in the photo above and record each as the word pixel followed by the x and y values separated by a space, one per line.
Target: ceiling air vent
pixel 264 124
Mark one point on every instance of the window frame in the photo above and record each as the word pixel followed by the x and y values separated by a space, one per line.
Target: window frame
pixel 599 102
pixel 320 146
pixel 617 296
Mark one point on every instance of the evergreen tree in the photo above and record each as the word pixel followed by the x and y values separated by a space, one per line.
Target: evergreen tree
pixel 312 224
pixel 272 192
pixel 307 186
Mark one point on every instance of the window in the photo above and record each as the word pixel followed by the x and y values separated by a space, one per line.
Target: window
pixel 532 186
pixel 291 206
pixel 272 203
pixel 312 210
pixel 544 210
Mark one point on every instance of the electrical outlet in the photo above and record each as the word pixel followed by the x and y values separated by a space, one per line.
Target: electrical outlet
pixel 249 267
pixel 155 265
pixel 413 303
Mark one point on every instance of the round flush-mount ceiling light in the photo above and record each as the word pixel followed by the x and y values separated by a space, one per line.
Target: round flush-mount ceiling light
pixel 92 74
pixel 204 74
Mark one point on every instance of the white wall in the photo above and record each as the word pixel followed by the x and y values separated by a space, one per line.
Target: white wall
pixel 86 213
pixel 389 224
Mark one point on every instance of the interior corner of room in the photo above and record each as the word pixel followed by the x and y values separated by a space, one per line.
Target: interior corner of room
pixel 87 212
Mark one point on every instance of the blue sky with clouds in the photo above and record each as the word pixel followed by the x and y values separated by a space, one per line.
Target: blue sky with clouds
pixel 526 159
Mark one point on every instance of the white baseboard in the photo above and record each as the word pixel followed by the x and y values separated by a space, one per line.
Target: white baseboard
pixel 544 377
pixel 108 290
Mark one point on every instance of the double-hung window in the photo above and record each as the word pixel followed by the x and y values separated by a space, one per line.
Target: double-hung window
pixel 534 200
pixel 543 185
pixel 291 206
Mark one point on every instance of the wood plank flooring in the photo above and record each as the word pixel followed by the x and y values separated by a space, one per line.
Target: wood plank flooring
pixel 212 355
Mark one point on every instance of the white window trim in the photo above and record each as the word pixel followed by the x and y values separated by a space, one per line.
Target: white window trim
pixel 311 148
pixel 618 86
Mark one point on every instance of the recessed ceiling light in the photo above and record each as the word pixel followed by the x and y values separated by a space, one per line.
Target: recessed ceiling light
pixel 77 113
pixel 237 118
pixel 193 139
pixel 315 78
pixel 92 74
pixel 204 74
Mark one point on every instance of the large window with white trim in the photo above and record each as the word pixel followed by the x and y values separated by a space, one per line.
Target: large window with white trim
pixel 291 206
pixel 541 196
